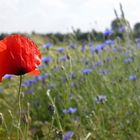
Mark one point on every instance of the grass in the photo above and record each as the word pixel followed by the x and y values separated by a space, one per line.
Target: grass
pixel 100 104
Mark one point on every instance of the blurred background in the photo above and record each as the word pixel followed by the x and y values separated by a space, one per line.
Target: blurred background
pixel 51 16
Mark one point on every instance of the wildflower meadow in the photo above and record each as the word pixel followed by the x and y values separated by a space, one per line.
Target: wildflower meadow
pixel 70 89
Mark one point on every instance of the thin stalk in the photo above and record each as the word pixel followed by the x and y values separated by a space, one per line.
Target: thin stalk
pixel 19 107
pixel 57 114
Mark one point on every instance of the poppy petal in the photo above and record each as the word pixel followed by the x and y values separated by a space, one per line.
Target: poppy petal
pixel 0 79
pixel 34 72
pixel 2 46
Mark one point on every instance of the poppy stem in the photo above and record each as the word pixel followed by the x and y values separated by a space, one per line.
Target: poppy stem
pixel 19 105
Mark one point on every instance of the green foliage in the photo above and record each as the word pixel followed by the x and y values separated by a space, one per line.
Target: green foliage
pixel 65 86
pixel 137 30
pixel 137 27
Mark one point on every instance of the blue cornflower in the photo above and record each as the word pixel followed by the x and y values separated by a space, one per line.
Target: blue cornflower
pixel 40 77
pixel 86 71
pixel 72 46
pixel 7 76
pixel 101 99
pixel 99 48
pixel 108 32
pixel 29 83
pixel 70 110
pixel 128 60
pixel 48 45
pixel 122 29
pixel 47 60
pixel 63 58
pixel 132 77
pixel 60 49
pixel 68 135
pixel 109 42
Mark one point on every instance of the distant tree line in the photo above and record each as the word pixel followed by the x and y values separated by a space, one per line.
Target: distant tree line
pixel 118 29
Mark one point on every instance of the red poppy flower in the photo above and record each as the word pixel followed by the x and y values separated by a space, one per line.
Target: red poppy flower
pixel 18 55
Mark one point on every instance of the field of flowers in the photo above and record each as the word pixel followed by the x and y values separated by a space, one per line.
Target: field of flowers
pixel 86 91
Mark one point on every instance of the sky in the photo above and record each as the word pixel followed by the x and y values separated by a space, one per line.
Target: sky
pixel 45 16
